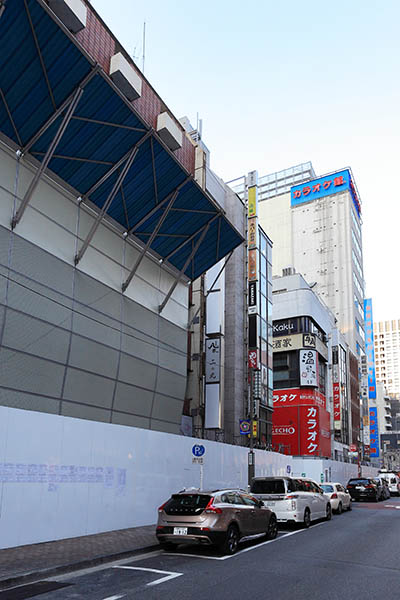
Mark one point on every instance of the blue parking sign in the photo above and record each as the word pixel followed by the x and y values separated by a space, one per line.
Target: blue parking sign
pixel 198 450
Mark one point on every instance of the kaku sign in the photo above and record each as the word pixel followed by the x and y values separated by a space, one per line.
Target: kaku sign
pixel 325 186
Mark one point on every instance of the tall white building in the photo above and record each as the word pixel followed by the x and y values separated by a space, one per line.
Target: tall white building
pixel 315 227
pixel 387 354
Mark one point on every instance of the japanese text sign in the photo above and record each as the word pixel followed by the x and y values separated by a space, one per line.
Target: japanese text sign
pixel 373 431
pixel 325 186
pixel 213 360
pixel 369 347
pixel 308 368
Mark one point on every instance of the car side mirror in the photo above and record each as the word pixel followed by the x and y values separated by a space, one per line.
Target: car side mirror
pixel 260 504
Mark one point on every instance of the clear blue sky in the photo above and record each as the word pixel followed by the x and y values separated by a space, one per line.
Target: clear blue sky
pixel 279 83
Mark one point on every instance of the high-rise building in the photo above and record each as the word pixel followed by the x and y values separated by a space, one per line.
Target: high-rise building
pixel 387 355
pixel 315 227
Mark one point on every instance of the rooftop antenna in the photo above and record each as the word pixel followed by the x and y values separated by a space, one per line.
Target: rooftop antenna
pixel 144 45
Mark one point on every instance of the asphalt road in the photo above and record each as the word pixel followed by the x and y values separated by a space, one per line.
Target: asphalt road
pixel 356 555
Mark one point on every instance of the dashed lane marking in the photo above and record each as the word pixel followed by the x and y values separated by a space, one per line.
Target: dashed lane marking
pixel 168 574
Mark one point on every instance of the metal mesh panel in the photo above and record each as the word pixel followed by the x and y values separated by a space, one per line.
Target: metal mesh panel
pixel 90 389
pixel 18 399
pixel 85 412
pixel 167 408
pixel 171 383
pixel 25 333
pixel 131 399
pixel 93 357
pixel 29 373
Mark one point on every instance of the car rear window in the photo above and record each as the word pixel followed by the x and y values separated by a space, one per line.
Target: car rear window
pixel 327 488
pixel 268 486
pixel 358 482
pixel 186 504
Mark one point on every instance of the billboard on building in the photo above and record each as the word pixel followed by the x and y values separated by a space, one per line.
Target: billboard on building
pixel 301 430
pixel 373 432
pixel 369 347
pixel 325 186
pixel 297 397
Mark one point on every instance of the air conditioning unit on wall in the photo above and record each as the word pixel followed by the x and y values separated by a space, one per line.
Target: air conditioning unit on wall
pixel 71 12
pixel 125 77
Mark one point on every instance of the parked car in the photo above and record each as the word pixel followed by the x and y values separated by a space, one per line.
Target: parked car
pixel 217 517
pixel 339 497
pixel 383 486
pixel 363 488
pixel 393 481
pixel 293 499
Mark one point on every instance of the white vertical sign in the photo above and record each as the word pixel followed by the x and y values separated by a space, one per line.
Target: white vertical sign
pixel 308 368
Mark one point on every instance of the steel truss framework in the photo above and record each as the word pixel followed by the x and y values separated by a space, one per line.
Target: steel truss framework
pixel 66 114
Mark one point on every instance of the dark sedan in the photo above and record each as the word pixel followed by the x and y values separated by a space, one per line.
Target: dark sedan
pixel 364 488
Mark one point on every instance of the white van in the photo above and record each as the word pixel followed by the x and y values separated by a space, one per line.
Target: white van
pixel 293 499
pixel 393 481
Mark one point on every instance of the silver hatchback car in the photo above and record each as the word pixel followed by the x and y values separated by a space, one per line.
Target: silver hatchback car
pixel 217 517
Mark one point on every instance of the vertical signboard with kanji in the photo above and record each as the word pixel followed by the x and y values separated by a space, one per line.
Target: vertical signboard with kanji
pixel 308 368
pixel 369 348
pixel 373 432
pixel 213 363
pixel 336 387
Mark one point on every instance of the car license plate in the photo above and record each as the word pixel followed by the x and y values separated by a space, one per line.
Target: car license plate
pixel 180 530
pixel 271 504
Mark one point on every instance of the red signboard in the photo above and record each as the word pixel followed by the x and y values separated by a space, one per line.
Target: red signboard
pixel 253 359
pixel 297 397
pixel 336 401
pixel 300 424
pixel 285 430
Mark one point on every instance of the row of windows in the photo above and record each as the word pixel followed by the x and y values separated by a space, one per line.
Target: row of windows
pixel 356 223
pixel 356 242
pixel 358 285
pixel 357 263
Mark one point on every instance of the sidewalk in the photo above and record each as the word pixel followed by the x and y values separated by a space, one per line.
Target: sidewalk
pixel 38 561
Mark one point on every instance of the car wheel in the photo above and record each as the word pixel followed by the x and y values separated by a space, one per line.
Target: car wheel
pixel 168 546
pixel 328 516
pixel 231 542
pixel 349 506
pixel 307 518
pixel 339 509
pixel 272 530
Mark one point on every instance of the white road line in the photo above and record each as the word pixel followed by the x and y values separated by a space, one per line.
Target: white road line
pixel 169 574
pixel 114 597
pixel 245 549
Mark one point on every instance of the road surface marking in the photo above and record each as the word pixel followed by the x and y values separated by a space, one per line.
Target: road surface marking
pixel 168 574
pixel 244 549
pixel 114 597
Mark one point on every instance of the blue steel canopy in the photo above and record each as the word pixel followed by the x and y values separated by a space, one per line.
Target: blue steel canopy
pixel 41 68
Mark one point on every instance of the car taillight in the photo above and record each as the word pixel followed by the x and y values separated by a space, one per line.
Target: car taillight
pixel 292 497
pixel 370 485
pixel 212 509
pixel 334 496
pixel 161 508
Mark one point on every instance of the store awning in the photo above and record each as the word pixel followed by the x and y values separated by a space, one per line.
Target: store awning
pixel 59 106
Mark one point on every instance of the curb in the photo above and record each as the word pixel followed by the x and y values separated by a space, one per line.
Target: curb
pixel 34 576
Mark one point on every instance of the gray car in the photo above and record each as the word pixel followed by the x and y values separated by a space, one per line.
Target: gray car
pixel 217 517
